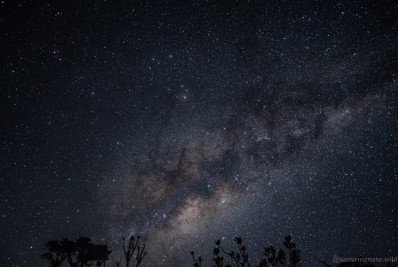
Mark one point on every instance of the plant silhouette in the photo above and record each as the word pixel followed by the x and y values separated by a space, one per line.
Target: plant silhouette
pixel 55 253
pixel 197 261
pixel 82 252
pixel 133 246
pixel 79 253
pixel 240 258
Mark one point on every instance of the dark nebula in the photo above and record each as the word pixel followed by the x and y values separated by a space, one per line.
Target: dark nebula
pixel 196 121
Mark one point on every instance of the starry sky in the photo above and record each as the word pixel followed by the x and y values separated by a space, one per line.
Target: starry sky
pixel 196 121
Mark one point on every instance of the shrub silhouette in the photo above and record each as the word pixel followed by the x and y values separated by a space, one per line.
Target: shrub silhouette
pixel 198 261
pixel 240 258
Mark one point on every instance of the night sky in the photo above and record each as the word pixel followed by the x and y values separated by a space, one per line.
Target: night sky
pixel 196 121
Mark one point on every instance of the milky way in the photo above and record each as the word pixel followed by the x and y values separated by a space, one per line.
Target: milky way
pixel 200 121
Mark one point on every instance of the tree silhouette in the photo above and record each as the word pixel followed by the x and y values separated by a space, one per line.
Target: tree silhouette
pixel 79 253
pixel 294 254
pixel 55 254
pixel 69 247
pixel 240 258
pixel 83 246
pixel 132 246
